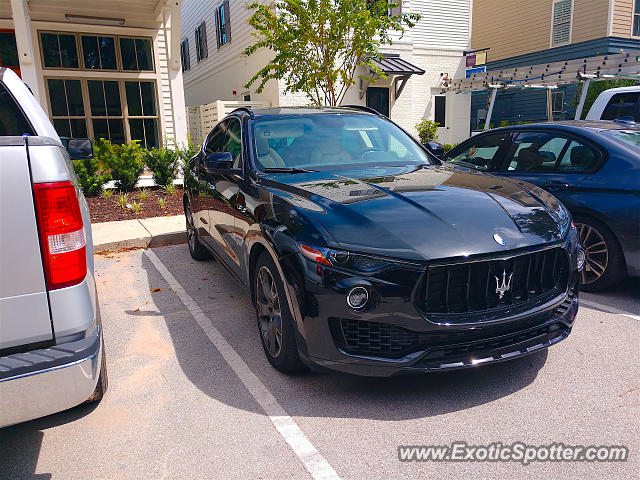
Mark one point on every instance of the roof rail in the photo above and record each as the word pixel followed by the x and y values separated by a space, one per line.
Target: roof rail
pixel 246 110
pixel 363 108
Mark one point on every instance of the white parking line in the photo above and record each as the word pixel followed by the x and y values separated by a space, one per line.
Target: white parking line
pixel 315 463
pixel 617 311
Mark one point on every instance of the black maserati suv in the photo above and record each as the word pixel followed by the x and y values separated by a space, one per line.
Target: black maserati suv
pixel 362 253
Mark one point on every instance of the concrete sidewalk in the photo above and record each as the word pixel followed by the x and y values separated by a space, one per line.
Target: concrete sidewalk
pixel 138 233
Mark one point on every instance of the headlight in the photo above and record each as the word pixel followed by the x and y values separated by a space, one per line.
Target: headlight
pixel 342 259
pixel 580 258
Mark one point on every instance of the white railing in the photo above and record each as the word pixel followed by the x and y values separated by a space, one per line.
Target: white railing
pixel 201 119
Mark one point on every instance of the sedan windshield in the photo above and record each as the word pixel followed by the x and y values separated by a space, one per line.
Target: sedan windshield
pixel 332 141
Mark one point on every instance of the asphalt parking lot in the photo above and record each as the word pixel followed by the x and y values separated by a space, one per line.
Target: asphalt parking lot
pixel 191 395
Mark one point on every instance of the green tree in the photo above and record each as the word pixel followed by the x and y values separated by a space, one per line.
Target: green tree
pixel 596 88
pixel 318 45
pixel 427 131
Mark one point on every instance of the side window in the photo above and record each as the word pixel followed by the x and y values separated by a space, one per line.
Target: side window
pixel 216 140
pixel 535 152
pixel 541 152
pixel 481 153
pixel 234 141
pixel 620 105
pixel 12 120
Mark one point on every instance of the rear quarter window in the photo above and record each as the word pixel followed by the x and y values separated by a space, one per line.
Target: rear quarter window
pixel 12 120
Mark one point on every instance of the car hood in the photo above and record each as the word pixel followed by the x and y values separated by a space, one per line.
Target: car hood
pixel 423 212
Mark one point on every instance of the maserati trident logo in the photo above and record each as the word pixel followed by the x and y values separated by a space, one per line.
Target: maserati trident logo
pixel 503 288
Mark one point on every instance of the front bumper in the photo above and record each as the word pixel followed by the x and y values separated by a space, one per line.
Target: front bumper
pixel 41 382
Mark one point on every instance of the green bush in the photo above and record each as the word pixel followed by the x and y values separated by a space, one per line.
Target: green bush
pixel 164 164
pixel 90 175
pixel 123 161
pixel 504 123
pixel 448 146
pixel 427 131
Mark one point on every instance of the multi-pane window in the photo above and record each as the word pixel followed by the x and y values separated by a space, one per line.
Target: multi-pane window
pixel 223 25
pixel 184 55
pixel 202 50
pixel 118 110
pixel 136 54
pixel 97 52
pixel 561 32
pixel 67 107
pixel 557 102
pixel 636 18
pixel 59 50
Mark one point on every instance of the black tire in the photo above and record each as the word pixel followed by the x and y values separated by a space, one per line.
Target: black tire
pixel 604 265
pixel 281 349
pixel 197 250
pixel 103 380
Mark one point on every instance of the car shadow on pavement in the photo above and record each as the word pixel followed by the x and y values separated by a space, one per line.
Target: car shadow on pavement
pixel 20 444
pixel 624 296
pixel 228 306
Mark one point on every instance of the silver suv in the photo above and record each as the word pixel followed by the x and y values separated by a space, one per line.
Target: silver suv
pixel 51 348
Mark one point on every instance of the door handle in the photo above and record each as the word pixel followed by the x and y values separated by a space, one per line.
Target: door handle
pixel 555 185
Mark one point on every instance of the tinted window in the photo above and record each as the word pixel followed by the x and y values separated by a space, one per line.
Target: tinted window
pixel 99 52
pixel 543 152
pixel 59 50
pixel 216 141
pixel 481 153
pixel 12 120
pixel 620 105
pixel 234 141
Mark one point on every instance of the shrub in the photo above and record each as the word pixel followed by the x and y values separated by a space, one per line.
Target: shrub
pixel 123 199
pixel 170 189
pixel 427 131
pixel 448 146
pixel 144 193
pixel 124 161
pixel 164 164
pixel 90 175
pixel 136 207
pixel 504 123
pixel 106 193
pixel 162 202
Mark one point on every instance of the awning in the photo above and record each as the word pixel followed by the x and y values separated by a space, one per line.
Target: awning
pixel 392 64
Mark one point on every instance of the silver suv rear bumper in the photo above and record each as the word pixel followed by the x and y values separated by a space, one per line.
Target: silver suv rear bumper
pixel 41 382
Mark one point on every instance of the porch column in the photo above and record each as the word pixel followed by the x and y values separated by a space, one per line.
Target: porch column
pixel 24 41
pixel 172 26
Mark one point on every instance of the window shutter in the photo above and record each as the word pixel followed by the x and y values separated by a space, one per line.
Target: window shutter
pixel 227 17
pixel 397 10
pixel 561 21
pixel 187 57
pixel 197 35
pixel 205 47
pixel 218 27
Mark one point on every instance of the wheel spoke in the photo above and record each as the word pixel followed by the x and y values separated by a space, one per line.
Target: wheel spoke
pixel 263 307
pixel 599 270
pixel 266 288
pixel 587 235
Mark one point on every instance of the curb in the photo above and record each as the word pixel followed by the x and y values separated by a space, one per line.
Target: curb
pixel 133 234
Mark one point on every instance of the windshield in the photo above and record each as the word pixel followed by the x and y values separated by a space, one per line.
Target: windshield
pixel 630 137
pixel 332 141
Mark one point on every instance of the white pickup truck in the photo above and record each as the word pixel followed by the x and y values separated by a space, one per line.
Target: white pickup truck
pixel 616 103
pixel 51 347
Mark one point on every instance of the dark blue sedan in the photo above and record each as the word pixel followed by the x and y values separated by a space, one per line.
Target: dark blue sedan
pixel 592 167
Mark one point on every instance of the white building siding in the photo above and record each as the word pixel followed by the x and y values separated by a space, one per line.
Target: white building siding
pixel 444 24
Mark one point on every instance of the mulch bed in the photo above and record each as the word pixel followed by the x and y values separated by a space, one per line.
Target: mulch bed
pixel 104 209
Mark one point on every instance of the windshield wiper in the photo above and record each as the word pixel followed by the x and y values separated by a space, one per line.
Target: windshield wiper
pixel 287 170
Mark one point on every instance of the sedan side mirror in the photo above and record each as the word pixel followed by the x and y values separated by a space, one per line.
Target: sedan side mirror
pixel 220 163
pixel 435 148
pixel 79 148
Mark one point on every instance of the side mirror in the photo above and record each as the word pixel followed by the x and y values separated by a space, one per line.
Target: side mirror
pixel 219 163
pixel 79 148
pixel 435 148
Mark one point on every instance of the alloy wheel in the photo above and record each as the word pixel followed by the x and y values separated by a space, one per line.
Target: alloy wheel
pixel 269 312
pixel 596 253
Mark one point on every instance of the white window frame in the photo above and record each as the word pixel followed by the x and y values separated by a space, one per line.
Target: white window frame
pixel 553 6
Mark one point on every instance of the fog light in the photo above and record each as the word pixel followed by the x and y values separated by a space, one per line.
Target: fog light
pixel 580 259
pixel 357 297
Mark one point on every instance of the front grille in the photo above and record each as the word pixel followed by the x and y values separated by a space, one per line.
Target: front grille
pixel 484 285
pixel 372 338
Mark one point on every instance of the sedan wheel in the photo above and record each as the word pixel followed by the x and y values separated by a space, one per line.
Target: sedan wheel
pixel 196 249
pixel 604 264
pixel 269 313
pixel 596 253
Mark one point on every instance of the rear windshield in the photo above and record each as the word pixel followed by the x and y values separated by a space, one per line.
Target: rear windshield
pixel 629 137
pixel 333 141
pixel 12 120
